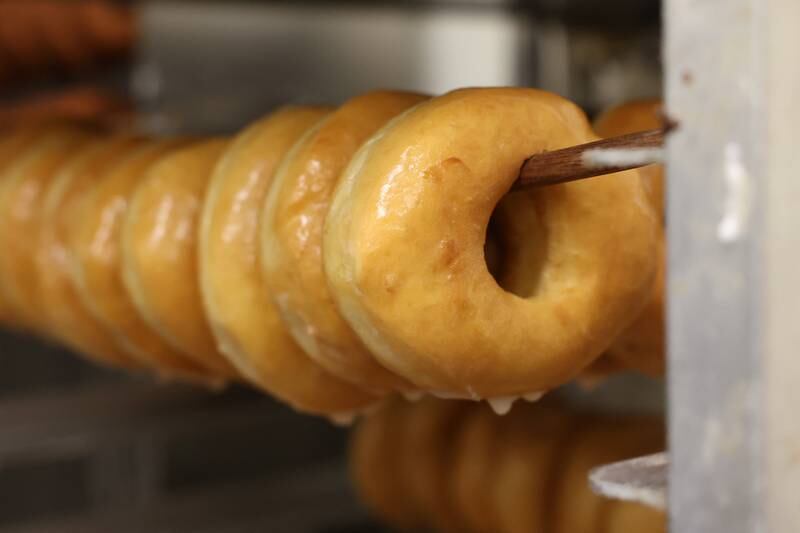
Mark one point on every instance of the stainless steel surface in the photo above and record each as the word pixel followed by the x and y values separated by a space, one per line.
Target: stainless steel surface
pixel 642 480
pixel 732 83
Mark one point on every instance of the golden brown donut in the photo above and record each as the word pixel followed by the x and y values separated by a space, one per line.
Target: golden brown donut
pixel 159 252
pixel 378 476
pixel 95 239
pixel 431 429
pixel 628 517
pixel 404 256
pixel 292 224
pixel 13 146
pixel 245 322
pixel 21 218
pixel 632 117
pixel 599 440
pixel 67 318
pixel 642 345
pixel 473 472
pixel 526 466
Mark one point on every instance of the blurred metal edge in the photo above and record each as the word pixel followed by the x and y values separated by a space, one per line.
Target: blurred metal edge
pixel 642 480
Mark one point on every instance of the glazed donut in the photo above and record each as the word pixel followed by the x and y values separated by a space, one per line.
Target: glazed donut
pixel 403 247
pixel 13 147
pixel 379 477
pixel 632 117
pixel 292 224
pixel 25 184
pixel 159 252
pixel 68 320
pixel 44 34
pixel 642 345
pixel 526 467
pixel 95 239
pixel 600 440
pixel 430 434
pixel 245 322
pixel 475 456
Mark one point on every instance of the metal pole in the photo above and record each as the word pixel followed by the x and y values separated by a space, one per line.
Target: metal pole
pixel 733 83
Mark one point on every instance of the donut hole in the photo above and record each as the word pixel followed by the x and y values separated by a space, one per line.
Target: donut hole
pixel 493 250
pixel 515 246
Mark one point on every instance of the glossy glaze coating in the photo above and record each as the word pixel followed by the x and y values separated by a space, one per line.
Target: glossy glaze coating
pixel 67 318
pixel 160 254
pixel 292 225
pixel 27 181
pixel 642 346
pixel 243 317
pixel 13 146
pixel 631 117
pixel 96 240
pixel 404 252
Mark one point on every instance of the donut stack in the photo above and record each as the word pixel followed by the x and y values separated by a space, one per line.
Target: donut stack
pixel 331 256
pixel 456 467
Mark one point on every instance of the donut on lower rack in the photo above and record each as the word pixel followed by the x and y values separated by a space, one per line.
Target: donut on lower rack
pixel 243 318
pixel 95 239
pixel 431 428
pixel 404 256
pixel 599 440
pixel 642 345
pixel 378 475
pixel 292 223
pixel 528 463
pixel 476 451
pixel 629 517
pixel 159 252
pixel 67 318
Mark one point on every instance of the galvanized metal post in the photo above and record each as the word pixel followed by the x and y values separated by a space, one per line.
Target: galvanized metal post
pixel 733 83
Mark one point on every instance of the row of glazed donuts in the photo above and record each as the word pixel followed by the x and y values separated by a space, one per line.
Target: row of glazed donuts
pixel 331 256
pixel 456 467
pixel 38 36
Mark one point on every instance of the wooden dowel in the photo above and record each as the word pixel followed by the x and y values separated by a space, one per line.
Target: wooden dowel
pixel 570 164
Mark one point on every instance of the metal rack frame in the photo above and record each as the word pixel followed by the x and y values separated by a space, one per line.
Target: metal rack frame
pixel 732 84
